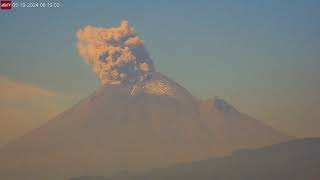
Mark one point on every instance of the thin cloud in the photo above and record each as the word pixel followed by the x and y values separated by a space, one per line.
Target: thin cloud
pixel 24 107
pixel 11 90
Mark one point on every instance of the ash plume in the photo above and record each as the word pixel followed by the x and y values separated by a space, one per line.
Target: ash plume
pixel 117 55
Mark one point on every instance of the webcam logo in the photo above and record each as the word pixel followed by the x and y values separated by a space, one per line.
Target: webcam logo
pixel 6 5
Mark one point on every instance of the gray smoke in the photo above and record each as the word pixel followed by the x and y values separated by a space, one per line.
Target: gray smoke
pixel 117 55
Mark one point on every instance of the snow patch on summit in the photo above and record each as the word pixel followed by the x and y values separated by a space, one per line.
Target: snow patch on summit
pixel 159 85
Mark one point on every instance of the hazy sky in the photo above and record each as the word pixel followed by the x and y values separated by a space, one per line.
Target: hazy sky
pixel 263 57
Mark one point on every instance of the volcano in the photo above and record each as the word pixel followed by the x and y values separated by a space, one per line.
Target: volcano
pixel 121 128
pixel 137 119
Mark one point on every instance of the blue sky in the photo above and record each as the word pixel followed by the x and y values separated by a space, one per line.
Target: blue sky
pixel 261 56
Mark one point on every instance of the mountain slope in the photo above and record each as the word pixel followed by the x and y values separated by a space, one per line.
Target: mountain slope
pixel 135 126
pixel 295 160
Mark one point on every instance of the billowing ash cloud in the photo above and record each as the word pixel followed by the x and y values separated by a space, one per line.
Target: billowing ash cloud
pixel 116 54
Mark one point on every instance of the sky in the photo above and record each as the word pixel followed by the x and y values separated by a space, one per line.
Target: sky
pixel 263 57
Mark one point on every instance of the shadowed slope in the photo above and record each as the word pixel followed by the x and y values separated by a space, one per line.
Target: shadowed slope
pixel 295 160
